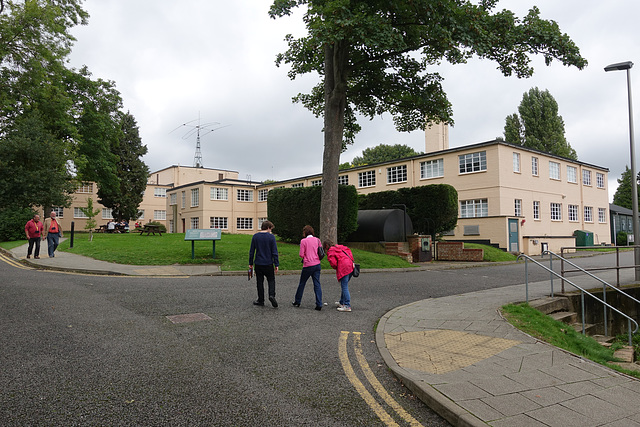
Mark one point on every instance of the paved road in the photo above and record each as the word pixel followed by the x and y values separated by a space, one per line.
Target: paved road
pixel 95 350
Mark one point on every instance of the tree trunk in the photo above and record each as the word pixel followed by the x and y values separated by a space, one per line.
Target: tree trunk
pixel 335 96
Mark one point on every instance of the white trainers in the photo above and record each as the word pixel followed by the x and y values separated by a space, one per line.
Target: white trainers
pixel 344 308
pixel 338 304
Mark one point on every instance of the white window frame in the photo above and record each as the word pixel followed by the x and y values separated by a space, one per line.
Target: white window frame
pixel 297 185
pixel 244 223
pixel 554 170
pixel 534 166
pixel 599 180
pixel 159 192
pixel 195 197
pixel 173 199
pixel 106 213
pixel 263 195
pixel 602 215
pixel 343 180
pixel 572 211
pixel 77 213
pixel 244 195
pixel 572 174
pixel 472 162
pixel 85 188
pixel 367 179
pixel 194 222
pixel 184 199
pixel 555 210
pixel 316 183
pixel 159 215
pixel 588 214
pixel 517 207
pixel 396 174
pixel 516 162
pixel 221 222
pixel 586 177
pixel 219 193
pixel 432 169
pixel 536 209
pixel 477 208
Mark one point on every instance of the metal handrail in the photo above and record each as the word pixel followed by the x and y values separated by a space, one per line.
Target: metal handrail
pixel 618 267
pixel 582 293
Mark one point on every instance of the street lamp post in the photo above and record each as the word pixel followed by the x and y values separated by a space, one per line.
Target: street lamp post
pixel 634 179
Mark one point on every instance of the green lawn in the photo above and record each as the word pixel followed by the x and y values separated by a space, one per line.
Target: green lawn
pixel 232 251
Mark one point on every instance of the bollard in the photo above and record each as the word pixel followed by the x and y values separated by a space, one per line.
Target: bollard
pixel 72 230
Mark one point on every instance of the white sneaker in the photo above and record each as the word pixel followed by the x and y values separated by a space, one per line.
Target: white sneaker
pixel 344 308
pixel 338 304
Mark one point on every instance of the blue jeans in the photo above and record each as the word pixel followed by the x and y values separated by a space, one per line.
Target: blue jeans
pixel 312 271
pixel 52 243
pixel 345 297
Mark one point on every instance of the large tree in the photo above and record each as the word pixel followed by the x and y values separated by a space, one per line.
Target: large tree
pixel 125 198
pixel 539 125
pixel 374 56
pixel 383 153
pixel 623 194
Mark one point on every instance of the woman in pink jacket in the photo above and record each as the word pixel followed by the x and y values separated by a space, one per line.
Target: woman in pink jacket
pixel 341 260
pixel 310 266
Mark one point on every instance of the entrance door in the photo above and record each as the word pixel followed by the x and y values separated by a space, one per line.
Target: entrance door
pixel 513 236
pixel 184 230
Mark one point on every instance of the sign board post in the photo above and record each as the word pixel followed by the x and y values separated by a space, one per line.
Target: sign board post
pixel 212 234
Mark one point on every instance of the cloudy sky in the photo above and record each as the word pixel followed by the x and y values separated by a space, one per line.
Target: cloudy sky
pixel 175 62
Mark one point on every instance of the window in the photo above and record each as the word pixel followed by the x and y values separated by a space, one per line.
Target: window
pixel 518 207
pixel 516 162
pixel 586 177
pixel 173 199
pixel 536 209
pixel 588 214
pixel 432 169
pixel 195 197
pixel 159 215
pixel 140 214
pixel 218 222
pixel 297 185
pixel 396 174
pixel 218 193
pixel 106 213
pixel 262 195
pixel 172 226
pixel 184 200
pixel 599 180
pixel 85 187
pixel 59 212
pixel 366 179
pixel 195 223
pixel 244 223
pixel 602 215
pixel 77 213
pixel 316 183
pixel 260 221
pixel 244 195
pixel 159 192
pixel 474 208
pixel 534 166
pixel 554 170
pixel 572 174
pixel 573 213
pixel 343 180
pixel 556 211
pixel 473 162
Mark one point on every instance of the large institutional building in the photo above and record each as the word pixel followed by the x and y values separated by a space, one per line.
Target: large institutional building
pixel 517 198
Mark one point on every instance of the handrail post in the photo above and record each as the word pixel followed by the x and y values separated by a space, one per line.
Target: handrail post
pixel 562 269
pixel 630 338
pixel 526 280
pixel 583 312
pixel 604 306
pixel 551 274
pixel 617 266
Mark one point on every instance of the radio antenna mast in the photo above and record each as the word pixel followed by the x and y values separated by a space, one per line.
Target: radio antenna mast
pixel 198 130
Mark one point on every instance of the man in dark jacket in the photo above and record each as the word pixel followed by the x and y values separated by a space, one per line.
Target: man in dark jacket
pixel 265 250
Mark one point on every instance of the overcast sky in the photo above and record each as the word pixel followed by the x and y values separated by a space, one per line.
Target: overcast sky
pixel 174 62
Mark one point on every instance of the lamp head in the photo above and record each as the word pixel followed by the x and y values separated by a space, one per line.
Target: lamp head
pixel 619 66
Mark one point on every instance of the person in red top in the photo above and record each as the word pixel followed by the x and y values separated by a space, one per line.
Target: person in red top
pixel 52 232
pixel 33 229
pixel 341 259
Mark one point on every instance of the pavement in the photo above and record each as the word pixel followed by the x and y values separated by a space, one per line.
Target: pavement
pixel 459 356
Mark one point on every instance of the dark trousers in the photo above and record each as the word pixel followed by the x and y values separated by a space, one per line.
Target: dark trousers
pixel 267 271
pixel 34 241
pixel 313 272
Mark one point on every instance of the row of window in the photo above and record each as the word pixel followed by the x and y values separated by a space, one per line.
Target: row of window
pixel 221 222
pixel 554 171
pixel 480 208
pixel 158 215
pixel 217 193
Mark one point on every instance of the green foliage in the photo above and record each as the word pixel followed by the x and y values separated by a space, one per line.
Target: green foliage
pixel 91 215
pixel 125 197
pixel 622 196
pixel 622 239
pixel 344 166
pixel 375 56
pixel 539 126
pixel 491 254
pixel 290 209
pixel 383 153
pixel 12 222
pixel 163 229
pixel 432 208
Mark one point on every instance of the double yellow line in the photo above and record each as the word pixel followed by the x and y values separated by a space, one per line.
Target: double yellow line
pixel 371 378
pixel 13 262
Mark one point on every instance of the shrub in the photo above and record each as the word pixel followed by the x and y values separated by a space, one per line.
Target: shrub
pixel 163 229
pixel 622 238
pixel 12 222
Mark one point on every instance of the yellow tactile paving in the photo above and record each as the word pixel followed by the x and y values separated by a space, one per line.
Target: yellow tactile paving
pixel 441 351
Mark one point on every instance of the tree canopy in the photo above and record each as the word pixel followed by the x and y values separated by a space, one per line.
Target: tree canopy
pixel 383 153
pixel 623 194
pixel 375 56
pixel 539 126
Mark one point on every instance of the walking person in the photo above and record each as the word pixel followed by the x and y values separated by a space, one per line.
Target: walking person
pixel 341 259
pixel 265 250
pixel 52 232
pixel 33 230
pixel 310 266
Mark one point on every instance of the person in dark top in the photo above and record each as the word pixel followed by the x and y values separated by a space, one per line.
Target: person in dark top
pixel 264 252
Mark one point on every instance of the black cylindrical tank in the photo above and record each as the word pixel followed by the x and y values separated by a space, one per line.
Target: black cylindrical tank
pixel 382 225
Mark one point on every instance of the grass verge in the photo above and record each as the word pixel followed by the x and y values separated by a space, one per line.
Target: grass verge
pixel 561 335
pixel 492 254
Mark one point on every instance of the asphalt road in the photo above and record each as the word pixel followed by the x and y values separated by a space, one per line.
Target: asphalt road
pixel 97 350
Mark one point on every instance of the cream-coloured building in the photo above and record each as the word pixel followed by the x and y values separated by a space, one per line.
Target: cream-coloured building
pixel 518 199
